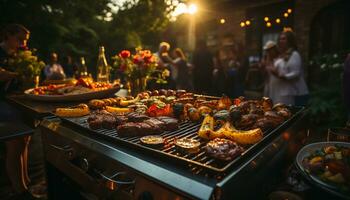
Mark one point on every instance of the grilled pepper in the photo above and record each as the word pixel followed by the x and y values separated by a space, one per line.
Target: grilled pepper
pixel 207 127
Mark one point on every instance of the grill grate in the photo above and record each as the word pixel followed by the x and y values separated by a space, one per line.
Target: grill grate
pixel 197 162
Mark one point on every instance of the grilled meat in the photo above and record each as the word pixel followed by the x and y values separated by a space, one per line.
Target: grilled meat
pixel 129 129
pixel 223 149
pixel 138 129
pixel 170 123
pixel 120 119
pixel 154 121
pixel 247 121
pixel 101 119
pixel 136 117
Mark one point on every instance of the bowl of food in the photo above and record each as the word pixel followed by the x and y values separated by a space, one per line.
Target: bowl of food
pixel 326 165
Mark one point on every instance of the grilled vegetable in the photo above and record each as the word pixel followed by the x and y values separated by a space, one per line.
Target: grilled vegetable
pixel 78 111
pixel 205 110
pixel 193 114
pixel 125 103
pixel 222 115
pixel 244 137
pixel 224 103
pixel 159 109
pixel 118 110
pixel 186 145
pixel 178 109
pixel 207 127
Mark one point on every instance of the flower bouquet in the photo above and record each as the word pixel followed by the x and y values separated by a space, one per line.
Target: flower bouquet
pixel 27 65
pixel 137 68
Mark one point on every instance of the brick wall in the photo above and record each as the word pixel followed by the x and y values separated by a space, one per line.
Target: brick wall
pixel 305 11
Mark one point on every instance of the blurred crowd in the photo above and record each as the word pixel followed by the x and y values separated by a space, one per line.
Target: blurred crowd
pixel 279 74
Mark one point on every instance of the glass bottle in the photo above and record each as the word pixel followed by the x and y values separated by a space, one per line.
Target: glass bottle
pixel 102 67
pixel 83 68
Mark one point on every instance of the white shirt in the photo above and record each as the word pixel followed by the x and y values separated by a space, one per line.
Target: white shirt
pixel 54 70
pixel 292 70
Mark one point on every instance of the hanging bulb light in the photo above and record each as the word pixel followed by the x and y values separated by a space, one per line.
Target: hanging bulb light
pixel 268 24
pixel 278 20
pixel 289 10
pixel 285 15
pixel 247 22
pixel 242 24
pixel 266 19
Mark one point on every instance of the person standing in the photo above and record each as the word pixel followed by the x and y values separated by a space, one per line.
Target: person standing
pixel 219 75
pixel 180 62
pixel 274 86
pixel 54 71
pixel 234 84
pixel 165 64
pixel 69 67
pixel 203 68
pixel 292 71
pixel 14 37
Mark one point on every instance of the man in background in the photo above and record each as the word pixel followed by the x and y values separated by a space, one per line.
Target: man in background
pixel 54 71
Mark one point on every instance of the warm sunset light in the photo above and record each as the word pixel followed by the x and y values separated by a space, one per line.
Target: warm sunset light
pixel 192 9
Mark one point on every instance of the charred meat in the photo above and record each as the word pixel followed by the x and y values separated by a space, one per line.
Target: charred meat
pixel 223 149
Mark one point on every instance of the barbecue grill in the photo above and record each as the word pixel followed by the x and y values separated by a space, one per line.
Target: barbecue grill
pixel 100 157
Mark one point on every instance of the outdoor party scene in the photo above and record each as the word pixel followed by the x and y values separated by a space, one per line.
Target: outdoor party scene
pixel 175 100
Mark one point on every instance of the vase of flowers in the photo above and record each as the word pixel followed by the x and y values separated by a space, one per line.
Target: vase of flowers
pixel 28 66
pixel 135 67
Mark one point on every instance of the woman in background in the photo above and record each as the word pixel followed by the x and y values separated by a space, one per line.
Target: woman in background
pixel 291 71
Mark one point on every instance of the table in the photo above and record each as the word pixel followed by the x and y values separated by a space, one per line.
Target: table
pixel 35 111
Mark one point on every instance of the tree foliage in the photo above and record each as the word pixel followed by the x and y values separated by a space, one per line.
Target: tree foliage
pixel 78 27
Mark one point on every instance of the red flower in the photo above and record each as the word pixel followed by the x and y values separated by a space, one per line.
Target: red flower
pixel 124 54
pixel 137 59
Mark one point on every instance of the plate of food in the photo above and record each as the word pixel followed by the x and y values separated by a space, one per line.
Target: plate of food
pixel 83 89
pixel 327 166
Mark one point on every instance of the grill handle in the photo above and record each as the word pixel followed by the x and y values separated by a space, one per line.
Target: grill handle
pixel 120 180
pixel 66 149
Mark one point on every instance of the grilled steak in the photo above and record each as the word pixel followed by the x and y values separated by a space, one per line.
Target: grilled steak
pixel 138 129
pixel 136 117
pixel 101 119
pixel 120 119
pixel 154 121
pixel 128 129
pixel 223 149
pixel 170 123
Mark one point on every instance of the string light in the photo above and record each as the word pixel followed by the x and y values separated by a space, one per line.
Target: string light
pixel 266 19
pixel 222 21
